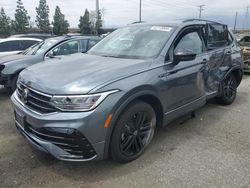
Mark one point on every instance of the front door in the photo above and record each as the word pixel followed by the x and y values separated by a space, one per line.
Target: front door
pixel 185 79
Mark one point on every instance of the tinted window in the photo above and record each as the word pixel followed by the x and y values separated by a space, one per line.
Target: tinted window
pixel 217 36
pixel 66 48
pixel 84 45
pixel 189 43
pixel 24 44
pixel 9 46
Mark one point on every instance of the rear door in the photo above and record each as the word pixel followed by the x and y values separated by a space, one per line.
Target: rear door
pixel 220 51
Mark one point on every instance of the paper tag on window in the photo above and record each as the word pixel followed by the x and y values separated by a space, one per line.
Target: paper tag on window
pixel 161 28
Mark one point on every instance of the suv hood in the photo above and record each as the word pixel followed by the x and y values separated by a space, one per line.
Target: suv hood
pixel 79 73
pixel 8 58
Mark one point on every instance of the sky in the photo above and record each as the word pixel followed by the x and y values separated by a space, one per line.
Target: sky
pixel 122 12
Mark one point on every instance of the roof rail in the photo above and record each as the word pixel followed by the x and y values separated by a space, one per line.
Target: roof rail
pixel 137 22
pixel 196 19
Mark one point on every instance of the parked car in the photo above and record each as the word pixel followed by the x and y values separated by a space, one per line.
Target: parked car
pixel 11 66
pixel 11 46
pixel 110 100
pixel 245 45
pixel 34 35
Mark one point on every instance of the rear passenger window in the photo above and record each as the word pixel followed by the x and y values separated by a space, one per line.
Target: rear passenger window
pixel 189 43
pixel 9 46
pixel 24 44
pixel 217 36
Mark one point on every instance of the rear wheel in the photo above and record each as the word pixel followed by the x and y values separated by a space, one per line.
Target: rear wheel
pixel 228 90
pixel 133 132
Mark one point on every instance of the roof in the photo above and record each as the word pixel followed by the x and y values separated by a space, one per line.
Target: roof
pixel 179 23
pixel 15 39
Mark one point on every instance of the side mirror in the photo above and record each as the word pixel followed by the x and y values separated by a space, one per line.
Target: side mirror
pixel 178 57
pixel 50 54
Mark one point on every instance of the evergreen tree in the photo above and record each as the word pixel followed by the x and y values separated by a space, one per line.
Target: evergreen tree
pixel 84 24
pixel 21 23
pixel 42 17
pixel 5 23
pixel 60 25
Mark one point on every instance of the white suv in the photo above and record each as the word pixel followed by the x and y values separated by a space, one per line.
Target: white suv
pixel 11 46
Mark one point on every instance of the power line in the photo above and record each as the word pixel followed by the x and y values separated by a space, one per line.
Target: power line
pixel 200 9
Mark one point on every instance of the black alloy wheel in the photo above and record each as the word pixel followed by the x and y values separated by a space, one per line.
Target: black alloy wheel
pixel 229 90
pixel 133 132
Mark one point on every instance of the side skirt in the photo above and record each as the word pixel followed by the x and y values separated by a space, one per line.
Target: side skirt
pixel 180 111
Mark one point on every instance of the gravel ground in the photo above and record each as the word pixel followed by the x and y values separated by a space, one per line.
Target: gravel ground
pixel 210 150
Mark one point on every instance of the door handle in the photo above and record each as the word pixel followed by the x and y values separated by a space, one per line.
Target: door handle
pixel 167 73
pixel 228 52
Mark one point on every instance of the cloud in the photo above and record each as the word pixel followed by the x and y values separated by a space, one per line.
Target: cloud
pixel 122 12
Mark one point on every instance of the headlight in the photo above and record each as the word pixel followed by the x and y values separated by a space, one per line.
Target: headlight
pixel 79 102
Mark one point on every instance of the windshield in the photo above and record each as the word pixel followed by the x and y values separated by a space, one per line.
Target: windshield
pixel 137 42
pixel 41 47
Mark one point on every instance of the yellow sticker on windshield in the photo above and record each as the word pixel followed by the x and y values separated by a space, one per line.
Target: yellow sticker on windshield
pixel 161 28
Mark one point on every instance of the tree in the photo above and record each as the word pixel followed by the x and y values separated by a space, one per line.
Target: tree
pixel 5 23
pixel 42 17
pixel 84 25
pixel 60 25
pixel 21 23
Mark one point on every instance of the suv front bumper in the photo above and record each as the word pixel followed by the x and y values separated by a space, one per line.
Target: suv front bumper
pixel 84 130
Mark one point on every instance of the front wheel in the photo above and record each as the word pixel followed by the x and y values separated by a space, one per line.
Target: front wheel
pixel 14 83
pixel 133 132
pixel 228 90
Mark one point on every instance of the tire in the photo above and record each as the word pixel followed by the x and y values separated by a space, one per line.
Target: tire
pixel 228 90
pixel 133 132
pixel 14 82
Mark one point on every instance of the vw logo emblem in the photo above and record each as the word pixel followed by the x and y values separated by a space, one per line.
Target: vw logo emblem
pixel 25 95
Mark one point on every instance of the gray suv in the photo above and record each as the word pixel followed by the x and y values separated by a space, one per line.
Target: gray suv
pixel 109 101
pixel 12 65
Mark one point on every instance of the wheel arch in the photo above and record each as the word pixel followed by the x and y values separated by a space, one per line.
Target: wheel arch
pixel 237 72
pixel 149 96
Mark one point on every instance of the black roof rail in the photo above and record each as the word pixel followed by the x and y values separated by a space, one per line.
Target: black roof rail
pixel 196 19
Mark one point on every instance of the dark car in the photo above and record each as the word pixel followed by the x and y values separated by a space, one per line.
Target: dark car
pixel 11 66
pixel 110 100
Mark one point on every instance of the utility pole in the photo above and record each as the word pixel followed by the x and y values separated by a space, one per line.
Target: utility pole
pixel 140 12
pixel 247 17
pixel 97 14
pixel 235 22
pixel 200 9
pixel 103 12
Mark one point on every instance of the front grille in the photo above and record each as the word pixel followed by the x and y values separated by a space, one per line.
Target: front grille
pixel 35 100
pixel 72 142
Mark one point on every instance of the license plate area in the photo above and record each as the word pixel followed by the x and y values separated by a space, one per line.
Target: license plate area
pixel 20 119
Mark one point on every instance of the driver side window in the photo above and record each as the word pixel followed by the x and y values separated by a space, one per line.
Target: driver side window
pixel 66 48
pixel 189 44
